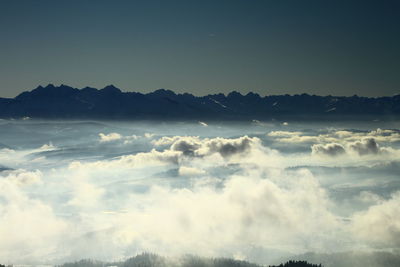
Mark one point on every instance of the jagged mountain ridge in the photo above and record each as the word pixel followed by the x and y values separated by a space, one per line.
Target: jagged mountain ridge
pixel 65 102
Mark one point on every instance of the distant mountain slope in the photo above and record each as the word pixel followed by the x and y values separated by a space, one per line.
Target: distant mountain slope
pixel 153 260
pixel 65 102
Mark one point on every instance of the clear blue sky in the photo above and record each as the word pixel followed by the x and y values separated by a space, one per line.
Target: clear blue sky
pixel 270 47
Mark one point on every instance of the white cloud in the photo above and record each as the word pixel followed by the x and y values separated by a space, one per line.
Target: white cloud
pixel 149 135
pixel 130 139
pixel 153 157
pixel 366 146
pixel 254 210
pixel 380 224
pixel 300 139
pixel 29 229
pixel 17 159
pixel 109 137
pixel 190 171
pixel 335 136
pixel 23 177
pixel 261 206
pixel 84 192
pixel 230 189
pixel 47 147
pixel 194 146
pixel 328 149
pixel 369 197
pixel 112 137
pixel 283 133
pixel 180 148
pixel 363 147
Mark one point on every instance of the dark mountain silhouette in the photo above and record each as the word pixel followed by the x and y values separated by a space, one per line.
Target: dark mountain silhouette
pixel 65 102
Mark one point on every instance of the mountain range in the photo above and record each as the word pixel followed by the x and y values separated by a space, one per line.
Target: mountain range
pixel 65 102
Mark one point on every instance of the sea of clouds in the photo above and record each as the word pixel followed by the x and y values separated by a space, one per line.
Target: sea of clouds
pixel 255 191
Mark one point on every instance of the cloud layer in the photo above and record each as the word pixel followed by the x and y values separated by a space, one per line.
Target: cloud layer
pixel 221 195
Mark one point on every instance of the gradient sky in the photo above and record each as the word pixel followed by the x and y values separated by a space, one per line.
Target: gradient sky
pixel 270 47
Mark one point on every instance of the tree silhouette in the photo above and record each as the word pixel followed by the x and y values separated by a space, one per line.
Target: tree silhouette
pixel 292 263
pixel 154 260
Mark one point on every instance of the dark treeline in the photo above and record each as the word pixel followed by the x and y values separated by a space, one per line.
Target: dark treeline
pixel 153 260
pixel 355 259
pixel 296 264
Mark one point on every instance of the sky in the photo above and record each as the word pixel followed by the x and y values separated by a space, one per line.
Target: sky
pixel 202 47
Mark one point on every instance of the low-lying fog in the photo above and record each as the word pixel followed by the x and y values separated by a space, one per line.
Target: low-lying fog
pixel 255 191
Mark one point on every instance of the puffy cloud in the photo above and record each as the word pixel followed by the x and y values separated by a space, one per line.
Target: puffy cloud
pixel 194 146
pixel 148 135
pixel 186 145
pixel 29 229
pixel 255 210
pixel 380 223
pixel 229 147
pixel 366 146
pixel 112 137
pixel 84 192
pixel 328 149
pixel 382 135
pixel 259 208
pixel 109 137
pixel 179 149
pixel 23 177
pixel 167 140
pixel 363 147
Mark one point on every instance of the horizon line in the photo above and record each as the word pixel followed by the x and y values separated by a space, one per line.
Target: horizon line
pixel 51 85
